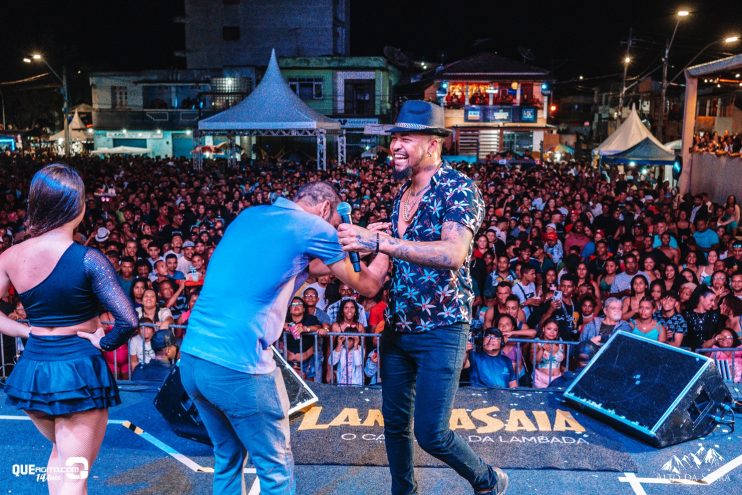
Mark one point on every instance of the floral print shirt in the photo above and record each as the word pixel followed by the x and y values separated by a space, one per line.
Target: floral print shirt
pixel 424 297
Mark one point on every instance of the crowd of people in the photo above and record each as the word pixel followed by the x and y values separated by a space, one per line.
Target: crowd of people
pixel 566 257
pixel 726 143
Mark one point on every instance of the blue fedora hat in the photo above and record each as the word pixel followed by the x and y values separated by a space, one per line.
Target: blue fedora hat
pixel 420 117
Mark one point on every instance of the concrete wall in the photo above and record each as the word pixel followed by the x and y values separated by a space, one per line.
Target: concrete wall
pixel 719 176
pixel 292 27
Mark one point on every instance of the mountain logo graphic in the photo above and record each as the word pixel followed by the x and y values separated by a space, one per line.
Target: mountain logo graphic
pixel 693 460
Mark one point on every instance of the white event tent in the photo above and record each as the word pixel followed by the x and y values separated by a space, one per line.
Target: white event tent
pixel 77 129
pixel 629 134
pixel 273 109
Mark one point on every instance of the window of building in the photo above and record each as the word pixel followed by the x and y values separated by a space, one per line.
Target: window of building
pixel 308 88
pixel 156 97
pixel 359 96
pixel 519 141
pixel 231 33
pixel 119 97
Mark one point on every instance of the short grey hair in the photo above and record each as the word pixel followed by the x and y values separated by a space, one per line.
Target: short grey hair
pixel 314 193
pixel 610 301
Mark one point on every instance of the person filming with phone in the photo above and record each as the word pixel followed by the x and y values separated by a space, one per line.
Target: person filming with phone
pixel 563 309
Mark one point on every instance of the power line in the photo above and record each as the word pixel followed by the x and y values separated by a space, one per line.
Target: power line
pixel 22 81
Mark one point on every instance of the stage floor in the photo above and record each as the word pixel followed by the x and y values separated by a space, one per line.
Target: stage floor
pixel 141 455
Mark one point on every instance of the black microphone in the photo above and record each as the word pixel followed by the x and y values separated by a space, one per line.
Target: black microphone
pixel 344 210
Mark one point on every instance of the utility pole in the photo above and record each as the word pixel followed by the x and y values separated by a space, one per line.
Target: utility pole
pixel 665 63
pixel 65 112
pixel 626 60
pixel 65 96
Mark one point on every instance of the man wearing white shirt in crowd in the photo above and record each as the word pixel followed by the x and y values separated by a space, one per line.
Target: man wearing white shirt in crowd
pixel 525 290
pixel 185 261
pixel 321 286
pixel 621 285
pixel 176 246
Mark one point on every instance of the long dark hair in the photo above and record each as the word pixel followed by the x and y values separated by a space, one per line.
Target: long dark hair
pixel 341 314
pixel 57 196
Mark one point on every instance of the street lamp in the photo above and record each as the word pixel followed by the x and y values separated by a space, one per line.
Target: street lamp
pixel 728 40
pixel 665 62
pixel 65 96
pixel 626 62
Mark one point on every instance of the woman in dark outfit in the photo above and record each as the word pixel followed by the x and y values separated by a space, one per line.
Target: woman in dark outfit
pixel 61 381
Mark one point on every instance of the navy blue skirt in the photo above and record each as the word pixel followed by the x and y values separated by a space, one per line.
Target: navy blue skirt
pixel 59 375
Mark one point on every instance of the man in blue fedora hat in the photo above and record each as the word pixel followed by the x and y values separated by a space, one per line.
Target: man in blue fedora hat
pixel 435 216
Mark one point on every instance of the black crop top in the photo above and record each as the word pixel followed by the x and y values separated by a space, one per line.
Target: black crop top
pixel 82 280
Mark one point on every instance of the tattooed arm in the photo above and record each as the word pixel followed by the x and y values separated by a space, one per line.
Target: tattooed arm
pixel 448 253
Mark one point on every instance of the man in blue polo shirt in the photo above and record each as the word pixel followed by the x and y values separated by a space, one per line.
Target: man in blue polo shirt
pixel 226 359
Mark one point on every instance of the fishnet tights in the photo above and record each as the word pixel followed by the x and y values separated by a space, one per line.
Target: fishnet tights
pixel 74 435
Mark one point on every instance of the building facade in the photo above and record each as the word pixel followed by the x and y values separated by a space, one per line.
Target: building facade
pixel 492 103
pixel 159 109
pixel 228 33
pixel 356 91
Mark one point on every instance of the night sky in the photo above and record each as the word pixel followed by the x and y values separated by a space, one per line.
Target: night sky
pixel 567 37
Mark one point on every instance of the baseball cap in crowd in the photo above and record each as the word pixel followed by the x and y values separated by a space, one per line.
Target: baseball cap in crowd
pixel 188 244
pixel 493 331
pixel 737 244
pixel 550 226
pixel 648 197
pixel 161 340
pixel 101 235
pixel 600 231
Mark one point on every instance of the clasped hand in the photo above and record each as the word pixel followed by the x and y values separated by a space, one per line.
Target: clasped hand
pixel 361 240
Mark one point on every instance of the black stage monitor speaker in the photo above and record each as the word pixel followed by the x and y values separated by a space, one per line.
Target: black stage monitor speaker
pixel 659 393
pixel 180 412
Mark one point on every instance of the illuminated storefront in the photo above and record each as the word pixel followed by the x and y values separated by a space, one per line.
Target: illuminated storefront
pixel 492 104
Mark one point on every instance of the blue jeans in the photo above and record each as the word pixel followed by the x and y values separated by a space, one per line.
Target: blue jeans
pixel 425 368
pixel 243 413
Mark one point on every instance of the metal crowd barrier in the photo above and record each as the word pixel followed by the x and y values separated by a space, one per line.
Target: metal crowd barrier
pixel 554 372
pixel 320 366
pixel 324 364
